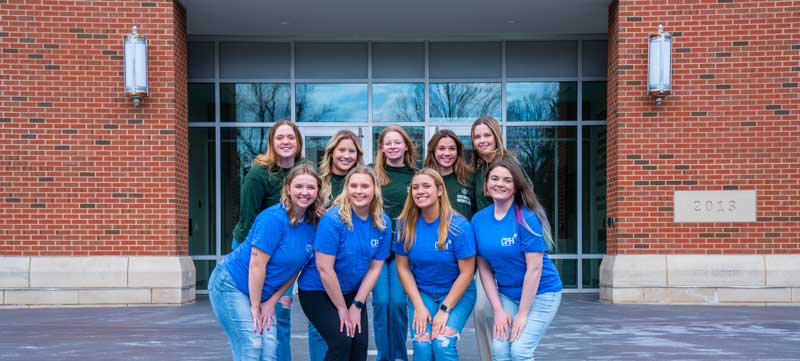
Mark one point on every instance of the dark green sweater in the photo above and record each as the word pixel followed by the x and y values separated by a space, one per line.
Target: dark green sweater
pixel 462 198
pixel 337 183
pixel 395 193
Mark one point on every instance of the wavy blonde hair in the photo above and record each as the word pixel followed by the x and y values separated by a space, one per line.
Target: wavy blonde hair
pixel 270 158
pixel 411 213
pixel 462 170
pixel 315 211
pixel 326 165
pixel 409 159
pixel 375 206
pixel 500 149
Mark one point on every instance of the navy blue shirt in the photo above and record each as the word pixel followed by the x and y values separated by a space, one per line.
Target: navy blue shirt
pixel 503 244
pixel 354 249
pixel 435 269
pixel 289 248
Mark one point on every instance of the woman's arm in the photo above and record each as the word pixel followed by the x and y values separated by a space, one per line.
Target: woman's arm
pixel 530 284
pixel 331 283
pixel 367 284
pixel 501 318
pixel 255 284
pixel 421 314
pixel 466 269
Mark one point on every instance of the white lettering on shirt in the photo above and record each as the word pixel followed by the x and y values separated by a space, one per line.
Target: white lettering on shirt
pixel 374 243
pixel 508 241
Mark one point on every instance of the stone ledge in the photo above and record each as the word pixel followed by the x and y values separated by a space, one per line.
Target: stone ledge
pixel 14 271
pixel 78 272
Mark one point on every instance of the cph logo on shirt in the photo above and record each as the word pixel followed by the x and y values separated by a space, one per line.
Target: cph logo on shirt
pixel 374 243
pixel 309 248
pixel 446 244
pixel 508 241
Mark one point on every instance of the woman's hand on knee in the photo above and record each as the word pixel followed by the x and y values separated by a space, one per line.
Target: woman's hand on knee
pixel 518 325
pixel 421 320
pixel 502 323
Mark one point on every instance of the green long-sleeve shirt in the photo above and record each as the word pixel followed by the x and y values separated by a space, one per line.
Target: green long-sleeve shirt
pixel 462 198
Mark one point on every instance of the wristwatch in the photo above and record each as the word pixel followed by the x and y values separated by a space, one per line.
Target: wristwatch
pixel 359 305
pixel 443 308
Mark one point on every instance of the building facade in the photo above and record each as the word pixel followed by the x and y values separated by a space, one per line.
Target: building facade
pixel 696 200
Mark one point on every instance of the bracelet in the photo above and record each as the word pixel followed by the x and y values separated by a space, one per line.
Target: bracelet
pixel 360 305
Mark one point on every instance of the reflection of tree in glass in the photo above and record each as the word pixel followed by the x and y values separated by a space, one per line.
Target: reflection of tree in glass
pixel 533 147
pixel 409 107
pixel 461 100
pixel 262 102
pixel 535 106
pixel 250 142
pixel 305 109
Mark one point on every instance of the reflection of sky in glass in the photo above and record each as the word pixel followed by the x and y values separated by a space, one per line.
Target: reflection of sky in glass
pixel 417 135
pixel 398 102
pixel 255 102
pixel 331 102
pixel 464 101
pixel 541 101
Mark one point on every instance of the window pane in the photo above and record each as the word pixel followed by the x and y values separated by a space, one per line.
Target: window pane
pixel 595 58
pixel 542 101
pixel 201 102
pixel 398 60
pixel 594 100
pixel 254 60
pixel 568 270
pixel 314 147
pixel 541 59
pixel 591 273
pixel 201 60
pixel 203 269
pixel 417 135
pixel 202 192
pixel 240 146
pixel 594 189
pixel 331 102
pixel 254 102
pixel 330 60
pixel 464 101
pixel 465 60
pixel 548 155
pixel 398 102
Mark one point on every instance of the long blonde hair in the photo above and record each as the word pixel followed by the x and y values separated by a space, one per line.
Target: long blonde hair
pixel 409 159
pixel 270 158
pixel 346 206
pixel 411 213
pixel 326 165
pixel 316 209
pixel 460 167
pixel 500 150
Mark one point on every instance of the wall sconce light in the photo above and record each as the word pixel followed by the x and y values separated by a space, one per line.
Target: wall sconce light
pixel 659 61
pixel 135 66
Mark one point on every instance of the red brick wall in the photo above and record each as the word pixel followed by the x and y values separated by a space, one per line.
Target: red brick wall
pixel 83 171
pixel 731 123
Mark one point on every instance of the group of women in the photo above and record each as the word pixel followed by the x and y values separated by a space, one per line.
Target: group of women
pixel 411 237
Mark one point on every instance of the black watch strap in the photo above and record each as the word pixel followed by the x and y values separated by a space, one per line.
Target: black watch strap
pixel 360 305
pixel 443 307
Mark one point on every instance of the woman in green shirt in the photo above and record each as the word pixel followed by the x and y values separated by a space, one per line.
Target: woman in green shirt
pixel 395 164
pixel 446 156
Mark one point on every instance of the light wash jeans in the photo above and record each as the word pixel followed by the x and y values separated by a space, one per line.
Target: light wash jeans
pixel 232 308
pixel 443 348
pixel 390 315
pixel 316 344
pixel 542 312
pixel 283 316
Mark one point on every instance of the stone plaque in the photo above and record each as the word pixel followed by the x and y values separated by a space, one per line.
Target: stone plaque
pixel 714 206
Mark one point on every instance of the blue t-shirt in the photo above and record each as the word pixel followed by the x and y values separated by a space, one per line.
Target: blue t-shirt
pixel 503 245
pixel 435 269
pixel 289 248
pixel 354 249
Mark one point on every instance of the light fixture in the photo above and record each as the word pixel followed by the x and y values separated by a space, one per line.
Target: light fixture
pixel 135 66
pixel 659 62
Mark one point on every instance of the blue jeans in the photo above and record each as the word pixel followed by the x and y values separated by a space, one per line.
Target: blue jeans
pixel 284 317
pixel 316 344
pixel 444 346
pixel 542 312
pixel 390 315
pixel 232 308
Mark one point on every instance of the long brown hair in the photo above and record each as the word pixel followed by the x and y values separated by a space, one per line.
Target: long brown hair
pixel 500 149
pixel 375 207
pixel 411 213
pixel 316 209
pixel 524 197
pixel 460 167
pixel 326 165
pixel 270 158
pixel 409 159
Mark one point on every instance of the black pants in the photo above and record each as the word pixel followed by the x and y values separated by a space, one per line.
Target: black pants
pixel 323 315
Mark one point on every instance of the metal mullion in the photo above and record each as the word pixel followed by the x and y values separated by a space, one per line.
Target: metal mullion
pixel 563 256
pixel 217 157
pixel 204 258
pixel 594 122
pixel 426 117
pixel 255 80
pixel 544 123
pixel 200 80
pixel 292 84
pixel 503 95
pixel 542 79
pixel 334 124
pixel 593 256
pixel 579 151
pixel 246 124
pixel 201 124
pixel 595 78
pixel 333 81
pixel 369 82
pixel 397 80
pixel 467 80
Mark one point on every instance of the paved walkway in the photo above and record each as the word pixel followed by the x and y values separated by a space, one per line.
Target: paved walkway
pixel 584 329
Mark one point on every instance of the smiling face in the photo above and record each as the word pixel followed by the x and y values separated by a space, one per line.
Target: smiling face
pixel 360 191
pixel 425 192
pixel 446 153
pixel 303 191
pixel 393 147
pixel 500 184
pixel 483 140
pixel 285 142
pixel 344 157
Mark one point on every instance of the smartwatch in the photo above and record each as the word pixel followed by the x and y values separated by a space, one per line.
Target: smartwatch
pixel 359 305
pixel 443 308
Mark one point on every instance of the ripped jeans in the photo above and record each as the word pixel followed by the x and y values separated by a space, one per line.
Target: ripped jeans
pixel 443 347
pixel 232 308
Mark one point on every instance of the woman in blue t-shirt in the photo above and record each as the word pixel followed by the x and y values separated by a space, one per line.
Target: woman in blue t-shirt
pixel 520 281
pixel 245 287
pixel 351 244
pixel 435 252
